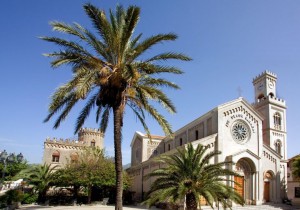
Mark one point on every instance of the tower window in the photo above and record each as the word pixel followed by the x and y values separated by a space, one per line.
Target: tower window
pixel 196 135
pixel 180 141
pixel 278 147
pixel 169 147
pixel 277 121
pixel 93 143
pixel 55 157
pixel 261 97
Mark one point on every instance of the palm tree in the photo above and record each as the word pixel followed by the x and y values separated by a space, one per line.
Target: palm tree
pixel 296 167
pixel 189 175
pixel 41 176
pixel 111 72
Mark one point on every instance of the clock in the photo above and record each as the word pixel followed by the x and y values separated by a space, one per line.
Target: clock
pixel 271 85
pixel 260 86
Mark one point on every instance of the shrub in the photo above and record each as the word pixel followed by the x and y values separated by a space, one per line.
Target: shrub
pixel 29 198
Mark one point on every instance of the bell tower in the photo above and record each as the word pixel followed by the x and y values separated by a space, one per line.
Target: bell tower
pixel 273 110
pixel 265 85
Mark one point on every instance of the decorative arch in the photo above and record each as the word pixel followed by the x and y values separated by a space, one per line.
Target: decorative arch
pixel 55 156
pixel 246 168
pixel 260 96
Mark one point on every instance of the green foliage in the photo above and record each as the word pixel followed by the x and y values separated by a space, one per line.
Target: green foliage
pixel 92 169
pixel 30 198
pixel 11 196
pixel 41 177
pixel 296 167
pixel 12 169
pixel 189 174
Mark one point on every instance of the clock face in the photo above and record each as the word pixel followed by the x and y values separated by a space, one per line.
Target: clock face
pixel 240 131
pixel 260 86
pixel 271 85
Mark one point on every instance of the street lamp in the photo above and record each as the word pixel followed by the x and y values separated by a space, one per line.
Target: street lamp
pixel 12 158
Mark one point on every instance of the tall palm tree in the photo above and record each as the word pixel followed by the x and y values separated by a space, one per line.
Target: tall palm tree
pixel 41 176
pixel 189 175
pixel 111 72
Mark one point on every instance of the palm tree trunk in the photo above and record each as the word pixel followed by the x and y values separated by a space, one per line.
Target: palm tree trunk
pixel 191 203
pixel 118 118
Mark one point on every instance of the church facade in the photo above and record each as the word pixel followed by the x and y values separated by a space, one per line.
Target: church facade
pixel 253 136
pixel 62 151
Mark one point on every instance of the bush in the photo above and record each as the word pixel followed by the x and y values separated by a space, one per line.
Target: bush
pixel 11 197
pixel 3 201
pixel 29 198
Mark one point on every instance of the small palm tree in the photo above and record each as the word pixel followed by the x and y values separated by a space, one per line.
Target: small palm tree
pixel 296 167
pixel 41 176
pixel 188 175
pixel 112 73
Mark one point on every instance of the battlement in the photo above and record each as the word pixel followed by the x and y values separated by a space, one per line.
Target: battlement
pixel 266 72
pixel 65 142
pixel 271 99
pixel 92 131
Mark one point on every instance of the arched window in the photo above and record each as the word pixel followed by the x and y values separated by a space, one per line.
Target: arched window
pixel 260 97
pixel 93 143
pixel 55 157
pixel 277 121
pixel 278 147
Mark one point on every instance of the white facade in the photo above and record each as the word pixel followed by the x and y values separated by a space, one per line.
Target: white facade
pixel 253 136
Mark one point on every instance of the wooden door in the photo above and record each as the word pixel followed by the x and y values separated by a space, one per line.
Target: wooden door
pixel 239 188
pixel 267 191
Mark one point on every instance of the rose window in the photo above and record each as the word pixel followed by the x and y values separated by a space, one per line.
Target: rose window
pixel 240 131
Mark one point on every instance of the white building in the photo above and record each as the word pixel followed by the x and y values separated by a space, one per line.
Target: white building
pixel 253 136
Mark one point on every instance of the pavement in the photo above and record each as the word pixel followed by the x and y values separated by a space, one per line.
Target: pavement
pixel 82 207
pixel 112 207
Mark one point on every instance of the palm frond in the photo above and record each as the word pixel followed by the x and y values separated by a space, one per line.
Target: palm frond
pixel 169 55
pixel 149 42
pixel 85 112
pixel 66 28
pixel 104 119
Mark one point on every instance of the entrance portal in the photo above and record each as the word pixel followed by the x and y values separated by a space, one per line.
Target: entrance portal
pixel 246 188
pixel 268 186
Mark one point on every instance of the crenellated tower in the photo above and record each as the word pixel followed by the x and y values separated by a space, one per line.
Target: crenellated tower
pixel 273 110
pixel 91 137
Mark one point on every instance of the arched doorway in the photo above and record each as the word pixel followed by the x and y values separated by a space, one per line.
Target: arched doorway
pixel 268 186
pixel 245 187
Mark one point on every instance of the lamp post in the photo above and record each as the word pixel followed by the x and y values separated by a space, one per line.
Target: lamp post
pixel 11 158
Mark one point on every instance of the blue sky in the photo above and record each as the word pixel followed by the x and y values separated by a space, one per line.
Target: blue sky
pixel 230 42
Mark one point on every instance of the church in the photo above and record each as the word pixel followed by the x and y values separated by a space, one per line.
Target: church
pixel 253 136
